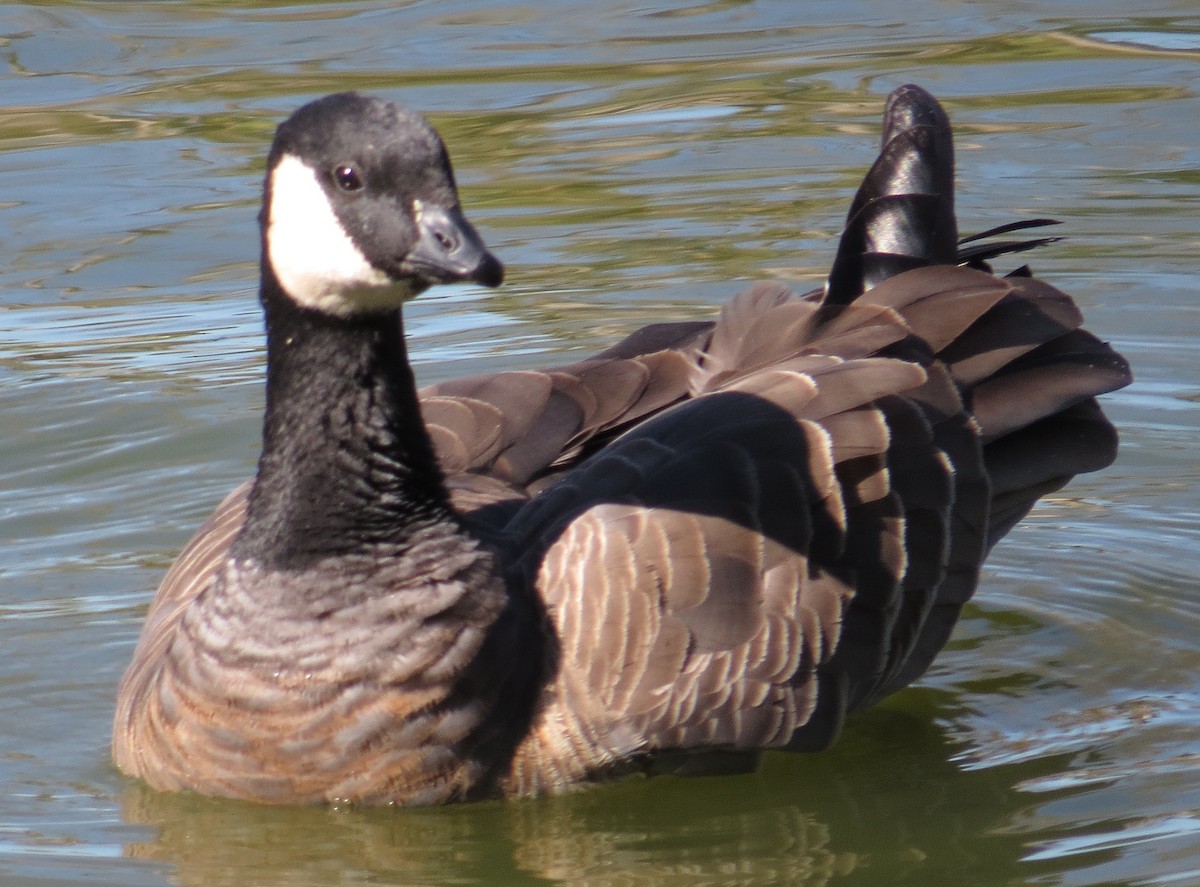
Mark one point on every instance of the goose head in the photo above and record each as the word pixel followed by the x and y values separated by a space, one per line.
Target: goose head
pixel 361 212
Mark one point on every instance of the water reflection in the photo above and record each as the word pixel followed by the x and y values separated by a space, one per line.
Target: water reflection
pixel 885 806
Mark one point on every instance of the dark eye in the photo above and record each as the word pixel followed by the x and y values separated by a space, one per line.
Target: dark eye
pixel 347 177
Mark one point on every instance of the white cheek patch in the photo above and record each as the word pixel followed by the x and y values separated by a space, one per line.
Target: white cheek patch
pixel 316 262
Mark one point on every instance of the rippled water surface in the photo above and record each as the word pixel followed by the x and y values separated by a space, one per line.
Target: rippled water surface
pixel 630 162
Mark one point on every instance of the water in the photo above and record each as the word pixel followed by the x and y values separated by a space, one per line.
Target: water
pixel 629 162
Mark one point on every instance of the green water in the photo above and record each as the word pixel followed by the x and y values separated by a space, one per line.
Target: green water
pixel 629 162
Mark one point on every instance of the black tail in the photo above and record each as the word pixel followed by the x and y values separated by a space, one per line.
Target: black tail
pixel 903 214
pixel 1025 373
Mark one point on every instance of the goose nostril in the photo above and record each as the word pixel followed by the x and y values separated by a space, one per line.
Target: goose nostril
pixel 445 241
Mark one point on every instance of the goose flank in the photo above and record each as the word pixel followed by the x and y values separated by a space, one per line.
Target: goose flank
pixel 712 539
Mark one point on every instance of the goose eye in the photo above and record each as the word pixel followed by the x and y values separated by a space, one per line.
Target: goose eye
pixel 347 177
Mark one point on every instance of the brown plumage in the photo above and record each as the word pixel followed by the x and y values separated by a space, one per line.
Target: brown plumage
pixel 712 539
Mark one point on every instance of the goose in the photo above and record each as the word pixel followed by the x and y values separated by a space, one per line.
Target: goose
pixel 715 538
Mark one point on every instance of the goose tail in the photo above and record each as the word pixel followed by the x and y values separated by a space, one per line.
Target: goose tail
pixel 903 214
pixel 1021 417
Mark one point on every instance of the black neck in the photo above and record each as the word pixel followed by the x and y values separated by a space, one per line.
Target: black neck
pixel 347 466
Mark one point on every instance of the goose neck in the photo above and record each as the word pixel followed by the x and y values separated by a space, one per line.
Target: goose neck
pixel 347 467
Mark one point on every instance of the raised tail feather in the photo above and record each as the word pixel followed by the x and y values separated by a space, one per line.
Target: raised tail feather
pixel 903 214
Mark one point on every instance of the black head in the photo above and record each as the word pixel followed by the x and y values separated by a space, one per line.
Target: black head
pixel 361 211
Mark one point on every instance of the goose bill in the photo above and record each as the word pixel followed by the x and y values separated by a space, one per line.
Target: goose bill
pixel 450 249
